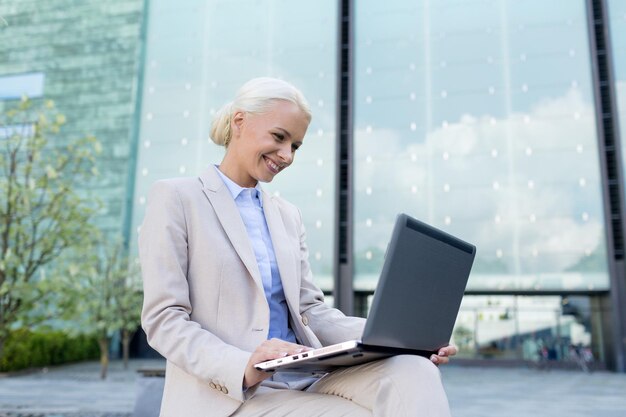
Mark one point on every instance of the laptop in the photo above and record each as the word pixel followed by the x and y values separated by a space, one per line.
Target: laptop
pixel 415 304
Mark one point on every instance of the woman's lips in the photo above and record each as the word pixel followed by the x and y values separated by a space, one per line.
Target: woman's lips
pixel 271 165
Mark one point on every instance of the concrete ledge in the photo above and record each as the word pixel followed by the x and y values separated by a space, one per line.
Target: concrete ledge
pixel 152 372
pixel 149 392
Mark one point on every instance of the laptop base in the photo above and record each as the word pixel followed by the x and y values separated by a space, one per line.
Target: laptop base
pixel 357 354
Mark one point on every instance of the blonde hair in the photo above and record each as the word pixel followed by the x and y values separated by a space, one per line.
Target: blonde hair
pixel 256 97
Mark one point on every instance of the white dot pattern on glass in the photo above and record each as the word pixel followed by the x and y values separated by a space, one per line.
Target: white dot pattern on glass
pixel 452 138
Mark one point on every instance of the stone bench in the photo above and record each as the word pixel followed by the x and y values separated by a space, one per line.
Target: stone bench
pixel 149 392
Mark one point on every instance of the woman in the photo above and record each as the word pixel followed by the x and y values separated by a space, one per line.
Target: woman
pixel 227 284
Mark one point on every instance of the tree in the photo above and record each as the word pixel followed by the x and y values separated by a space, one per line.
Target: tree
pixel 129 296
pixel 43 213
pixel 103 294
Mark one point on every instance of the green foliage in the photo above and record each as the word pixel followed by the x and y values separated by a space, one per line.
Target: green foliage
pixel 102 289
pixel 26 349
pixel 102 293
pixel 42 214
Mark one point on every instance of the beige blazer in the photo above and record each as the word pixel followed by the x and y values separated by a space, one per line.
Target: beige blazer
pixel 204 306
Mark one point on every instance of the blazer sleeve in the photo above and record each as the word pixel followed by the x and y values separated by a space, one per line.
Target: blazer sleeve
pixel 328 324
pixel 167 308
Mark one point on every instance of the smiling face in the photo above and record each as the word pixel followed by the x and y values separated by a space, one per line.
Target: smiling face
pixel 264 144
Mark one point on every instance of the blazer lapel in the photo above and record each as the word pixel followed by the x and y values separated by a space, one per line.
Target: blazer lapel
pixel 228 215
pixel 287 262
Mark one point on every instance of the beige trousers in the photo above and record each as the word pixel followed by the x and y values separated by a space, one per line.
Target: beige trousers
pixel 399 386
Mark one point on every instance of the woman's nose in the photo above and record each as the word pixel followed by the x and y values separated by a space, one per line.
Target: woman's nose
pixel 285 154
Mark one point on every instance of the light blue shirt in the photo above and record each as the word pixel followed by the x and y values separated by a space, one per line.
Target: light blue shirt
pixel 250 205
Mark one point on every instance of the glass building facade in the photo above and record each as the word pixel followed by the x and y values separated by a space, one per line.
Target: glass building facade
pixel 84 58
pixel 477 116
pixel 476 125
pixel 195 62
pixel 482 128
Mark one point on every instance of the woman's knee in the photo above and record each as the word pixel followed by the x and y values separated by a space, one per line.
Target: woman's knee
pixel 413 383
pixel 411 367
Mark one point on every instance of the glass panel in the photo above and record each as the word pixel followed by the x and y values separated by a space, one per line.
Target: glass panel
pixel 197 59
pixel 537 329
pixel 466 118
pixel 16 86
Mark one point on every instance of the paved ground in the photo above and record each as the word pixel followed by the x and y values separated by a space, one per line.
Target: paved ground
pixel 76 390
pixel 515 392
pixel 72 390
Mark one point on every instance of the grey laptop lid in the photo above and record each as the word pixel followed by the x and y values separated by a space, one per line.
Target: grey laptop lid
pixel 420 288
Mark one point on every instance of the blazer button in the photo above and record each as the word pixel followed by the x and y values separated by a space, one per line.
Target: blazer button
pixel 212 385
pixel 305 320
pixel 224 390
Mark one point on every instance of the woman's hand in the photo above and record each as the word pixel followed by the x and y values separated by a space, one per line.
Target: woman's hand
pixel 268 350
pixel 443 356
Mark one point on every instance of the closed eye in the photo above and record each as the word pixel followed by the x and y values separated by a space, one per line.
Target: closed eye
pixel 279 136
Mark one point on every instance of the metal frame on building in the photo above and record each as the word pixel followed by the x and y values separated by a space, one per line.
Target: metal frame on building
pixel 344 213
pixel 135 130
pixel 612 180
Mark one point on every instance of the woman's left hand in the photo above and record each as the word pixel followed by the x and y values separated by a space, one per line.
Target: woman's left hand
pixel 443 356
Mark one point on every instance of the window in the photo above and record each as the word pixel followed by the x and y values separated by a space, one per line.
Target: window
pixel 16 86
pixel 466 118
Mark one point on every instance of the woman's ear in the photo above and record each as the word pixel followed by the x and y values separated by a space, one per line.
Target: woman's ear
pixel 237 122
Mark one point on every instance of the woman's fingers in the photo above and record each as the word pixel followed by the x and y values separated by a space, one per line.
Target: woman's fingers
pixel 268 350
pixel 448 351
pixel 442 357
pixel 277 348
pixel 439 360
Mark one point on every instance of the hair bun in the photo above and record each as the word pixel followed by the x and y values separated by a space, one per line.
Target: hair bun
pixel 220 127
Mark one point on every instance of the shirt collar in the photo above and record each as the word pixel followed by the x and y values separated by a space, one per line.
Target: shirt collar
pixel 235 189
